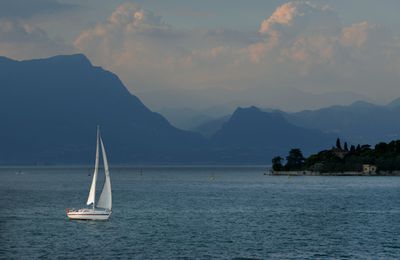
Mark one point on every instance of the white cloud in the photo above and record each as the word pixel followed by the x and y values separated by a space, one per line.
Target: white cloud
pixel 300 45
pixel 135 19
pixel 295 19
pixel 131 41
pixel 310 40
pixel 147 52
pixel 355 35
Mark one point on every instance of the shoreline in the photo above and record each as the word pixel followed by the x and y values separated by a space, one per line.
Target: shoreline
pixel 311 173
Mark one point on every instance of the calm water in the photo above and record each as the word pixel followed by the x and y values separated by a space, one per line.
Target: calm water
pixel 200 213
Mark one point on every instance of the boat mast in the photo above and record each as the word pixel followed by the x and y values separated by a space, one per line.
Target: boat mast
pixel 96 163
pixel 92 193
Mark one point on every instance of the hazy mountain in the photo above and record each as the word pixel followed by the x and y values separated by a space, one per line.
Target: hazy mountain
pixel 394 103
pixel 49 109
pixel 360 122
pixel 210 127
pixel 185 118
pixel 191 119
pixel 255 136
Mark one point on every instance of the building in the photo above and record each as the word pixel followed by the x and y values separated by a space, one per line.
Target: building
pixel 369 169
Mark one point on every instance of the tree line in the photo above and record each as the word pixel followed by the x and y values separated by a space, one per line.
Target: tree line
pixel 385 156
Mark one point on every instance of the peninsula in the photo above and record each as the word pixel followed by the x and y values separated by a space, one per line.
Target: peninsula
pixel 383 159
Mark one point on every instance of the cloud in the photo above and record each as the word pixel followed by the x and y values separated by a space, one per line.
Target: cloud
pixel 313 39
pixel 301 46
pixel 14 9
pixel 129 33
pixel 301 32
pixel 139 45
pixel 295 19
pixel 23 41
pixel 356 35
pixel 136 20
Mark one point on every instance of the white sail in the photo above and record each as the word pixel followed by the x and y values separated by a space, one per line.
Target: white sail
pixel 92 193
pixel 105 200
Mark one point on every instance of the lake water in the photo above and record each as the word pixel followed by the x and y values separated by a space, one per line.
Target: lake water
pixel 200 213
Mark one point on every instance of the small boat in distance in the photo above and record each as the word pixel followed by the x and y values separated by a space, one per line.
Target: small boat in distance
pixel 101 210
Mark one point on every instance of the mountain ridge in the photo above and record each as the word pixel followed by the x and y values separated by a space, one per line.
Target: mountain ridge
pixel 359 122
pixel 58 101
pixel 251 132
pixel 49 109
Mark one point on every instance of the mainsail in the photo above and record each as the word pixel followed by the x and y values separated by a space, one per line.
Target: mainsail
pixel 105 200
pixel 92 193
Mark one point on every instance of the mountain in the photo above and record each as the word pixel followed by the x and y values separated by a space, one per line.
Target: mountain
pixel 360 122
pixel 184 118
pixel 49 109
pixel 254 136
pixel 191 119
pixel 209 128
pixel 394 103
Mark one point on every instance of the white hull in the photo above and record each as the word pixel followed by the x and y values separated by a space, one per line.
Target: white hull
pixel 89 214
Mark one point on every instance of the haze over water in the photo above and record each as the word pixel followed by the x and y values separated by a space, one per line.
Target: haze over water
pixel 200 212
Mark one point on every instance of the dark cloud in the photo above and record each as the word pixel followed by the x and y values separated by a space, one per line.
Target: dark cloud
pixel 11 9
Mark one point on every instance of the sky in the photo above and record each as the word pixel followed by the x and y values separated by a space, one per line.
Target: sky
pixel 178 54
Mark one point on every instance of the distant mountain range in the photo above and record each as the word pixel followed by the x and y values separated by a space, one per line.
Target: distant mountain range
pixel 49 110
pixel 185 118
pixel 360 122
pixel 251 134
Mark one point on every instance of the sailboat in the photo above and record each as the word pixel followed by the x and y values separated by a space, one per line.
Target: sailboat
pixel 102 209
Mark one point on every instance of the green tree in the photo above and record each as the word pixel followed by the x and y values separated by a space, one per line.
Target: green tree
pixel 277 163
pixel 338 144
pixel 346 148
pixel 295 160
pixel 386 156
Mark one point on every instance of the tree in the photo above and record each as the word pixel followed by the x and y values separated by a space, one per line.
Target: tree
pixel 385 156
pixel 277 163
pixel 338 144
pixel 365 147
pixel 381 149
pixel 295 160
pixel 345 147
